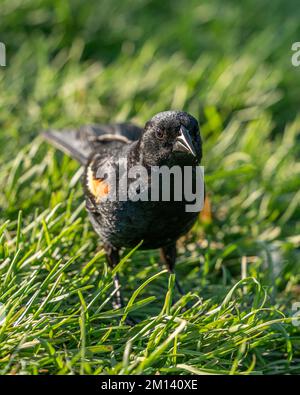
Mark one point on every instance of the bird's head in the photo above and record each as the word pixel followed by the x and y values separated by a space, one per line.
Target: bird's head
pixel 171 138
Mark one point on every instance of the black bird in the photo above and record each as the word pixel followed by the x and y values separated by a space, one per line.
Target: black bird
pixel 169 138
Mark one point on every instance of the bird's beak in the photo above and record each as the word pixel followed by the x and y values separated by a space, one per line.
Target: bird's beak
pixel 184 143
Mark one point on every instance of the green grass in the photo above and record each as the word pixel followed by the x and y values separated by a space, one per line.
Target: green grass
pixel 74 62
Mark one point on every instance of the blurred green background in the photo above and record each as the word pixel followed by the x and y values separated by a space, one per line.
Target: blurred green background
pixel 228 63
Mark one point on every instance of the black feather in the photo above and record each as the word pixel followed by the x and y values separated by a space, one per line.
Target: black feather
pixel 81 143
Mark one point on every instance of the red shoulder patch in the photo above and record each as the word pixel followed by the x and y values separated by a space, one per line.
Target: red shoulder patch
pixel 98 187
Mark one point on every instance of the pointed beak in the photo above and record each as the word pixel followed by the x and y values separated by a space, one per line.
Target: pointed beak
pixel 184 143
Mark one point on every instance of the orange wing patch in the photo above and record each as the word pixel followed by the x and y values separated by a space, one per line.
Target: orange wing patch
pixel 97 187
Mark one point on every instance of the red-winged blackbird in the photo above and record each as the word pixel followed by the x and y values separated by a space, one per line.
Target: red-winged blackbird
pixel 169 138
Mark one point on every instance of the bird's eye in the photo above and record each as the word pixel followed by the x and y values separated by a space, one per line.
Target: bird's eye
pixel 159 134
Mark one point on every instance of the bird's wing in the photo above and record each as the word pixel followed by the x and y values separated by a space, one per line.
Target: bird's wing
pixel 81 143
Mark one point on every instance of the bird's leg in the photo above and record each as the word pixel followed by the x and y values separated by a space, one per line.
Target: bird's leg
pixel 112 256
pixel 168 257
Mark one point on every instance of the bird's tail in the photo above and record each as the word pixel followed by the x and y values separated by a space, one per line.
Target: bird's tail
pixel 81 143
pixel 70 142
